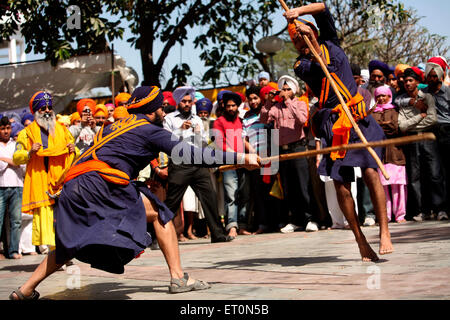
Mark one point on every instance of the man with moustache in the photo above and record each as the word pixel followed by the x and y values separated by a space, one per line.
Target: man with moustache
pixel 47 148
pixel 417 114
pixel 189 127
pixel 236 189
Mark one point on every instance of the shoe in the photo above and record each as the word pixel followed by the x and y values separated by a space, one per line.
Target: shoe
pixel 442 216
pixel 180 285
pixel 368 222
pixel 154 245
pixel 289 228
pixel 432 216
pixel 419 218
pixel 312 227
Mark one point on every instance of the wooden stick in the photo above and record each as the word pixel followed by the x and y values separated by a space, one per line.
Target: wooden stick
pixel 353 146
pixel 341 100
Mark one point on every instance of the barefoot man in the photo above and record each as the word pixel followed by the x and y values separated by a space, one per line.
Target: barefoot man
pixel 330 122
pixel 102 213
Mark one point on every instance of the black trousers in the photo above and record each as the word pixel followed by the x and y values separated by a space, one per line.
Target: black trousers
pixel 443 139
pixel 425 178
pixel 198 178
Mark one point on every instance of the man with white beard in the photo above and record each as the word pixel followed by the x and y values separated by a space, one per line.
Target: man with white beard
pixel 47 148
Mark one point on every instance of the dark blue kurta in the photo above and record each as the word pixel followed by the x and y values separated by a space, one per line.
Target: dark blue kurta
pixel 311 72
pixel 102 223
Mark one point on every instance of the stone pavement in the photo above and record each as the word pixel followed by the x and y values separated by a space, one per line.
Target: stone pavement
pixel 300 266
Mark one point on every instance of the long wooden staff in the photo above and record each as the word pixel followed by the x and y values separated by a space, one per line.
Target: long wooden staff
pixel 353 146
pixel 341 100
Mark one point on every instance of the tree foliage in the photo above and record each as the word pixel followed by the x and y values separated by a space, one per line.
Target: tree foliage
pixel 229 30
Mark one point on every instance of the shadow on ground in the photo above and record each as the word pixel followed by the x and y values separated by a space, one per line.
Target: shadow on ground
pixel 421 235
pixel 20 268
pixel 105 291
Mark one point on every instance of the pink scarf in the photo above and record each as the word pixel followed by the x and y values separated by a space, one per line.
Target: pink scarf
pixel 384 90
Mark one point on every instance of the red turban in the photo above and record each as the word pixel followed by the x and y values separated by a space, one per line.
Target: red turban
pixel 168 96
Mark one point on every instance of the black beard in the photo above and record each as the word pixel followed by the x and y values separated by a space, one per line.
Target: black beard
pixel 230 117
pixel 376 84
pixel 185 114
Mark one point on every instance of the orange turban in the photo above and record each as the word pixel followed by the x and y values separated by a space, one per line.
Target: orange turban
pixel 86 102
pixel 293 30
pixel 101 109
pixel 120 112
pixel 400 68
pixel 74 117
pixel 122 97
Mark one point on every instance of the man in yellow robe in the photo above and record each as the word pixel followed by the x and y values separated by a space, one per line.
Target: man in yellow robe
pixel 48 150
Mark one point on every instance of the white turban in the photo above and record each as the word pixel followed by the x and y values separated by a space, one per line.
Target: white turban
pixel 291 82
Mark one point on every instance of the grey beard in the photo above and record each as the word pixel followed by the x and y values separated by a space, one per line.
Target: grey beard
pixel 46 121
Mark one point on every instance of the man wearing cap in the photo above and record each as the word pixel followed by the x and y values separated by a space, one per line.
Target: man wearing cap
pixel 329 122
pixel 102 211
pixel 289 116
pixel 417 114
pixel 47 148
pixel 436 69
pixel 189 127
pixel 263 79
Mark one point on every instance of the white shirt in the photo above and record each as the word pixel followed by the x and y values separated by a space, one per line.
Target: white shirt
pixel 9 176
pixel 173 122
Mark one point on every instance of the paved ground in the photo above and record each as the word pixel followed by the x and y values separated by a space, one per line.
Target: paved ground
pixel 301 266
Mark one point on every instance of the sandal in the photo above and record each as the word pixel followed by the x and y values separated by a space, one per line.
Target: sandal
pixel 34 296
pixel 180 285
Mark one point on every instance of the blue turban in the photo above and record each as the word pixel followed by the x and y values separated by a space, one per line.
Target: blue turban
pixel 376 64
pixel 16 128
pixel 199 95
pixel 145 100
pixel 40 99
pixel 13 115
pixel 204 105
pixel 181 92
pixel 221 93
pixel 27 116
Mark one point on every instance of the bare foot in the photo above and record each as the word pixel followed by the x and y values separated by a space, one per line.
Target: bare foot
pixel 2 257
pixel 232 232
pixel 386 246
pixel 402 221
pixel 244 232
pixel 367 254
pixel 182 238
pixel 259 231
pixel 16 256
pixel 191 236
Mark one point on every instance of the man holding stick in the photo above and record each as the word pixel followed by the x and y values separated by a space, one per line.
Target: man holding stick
pixel 330 122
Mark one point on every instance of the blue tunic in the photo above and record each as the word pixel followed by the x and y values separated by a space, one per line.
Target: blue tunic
pixel 311 72
pixel 102 223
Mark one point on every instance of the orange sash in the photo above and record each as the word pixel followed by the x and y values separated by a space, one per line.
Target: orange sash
pixel 341 128
pixel 106 172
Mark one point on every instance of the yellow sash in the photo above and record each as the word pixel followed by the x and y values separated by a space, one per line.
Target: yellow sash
pixel 37 181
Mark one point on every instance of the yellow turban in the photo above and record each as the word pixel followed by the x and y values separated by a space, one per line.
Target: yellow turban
pixel 122 97
pixel 74 117
pixel 101 109
pixel 400 68
pixel 65 120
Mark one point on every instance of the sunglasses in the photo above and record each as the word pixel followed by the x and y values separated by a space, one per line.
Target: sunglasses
pixel 43 108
